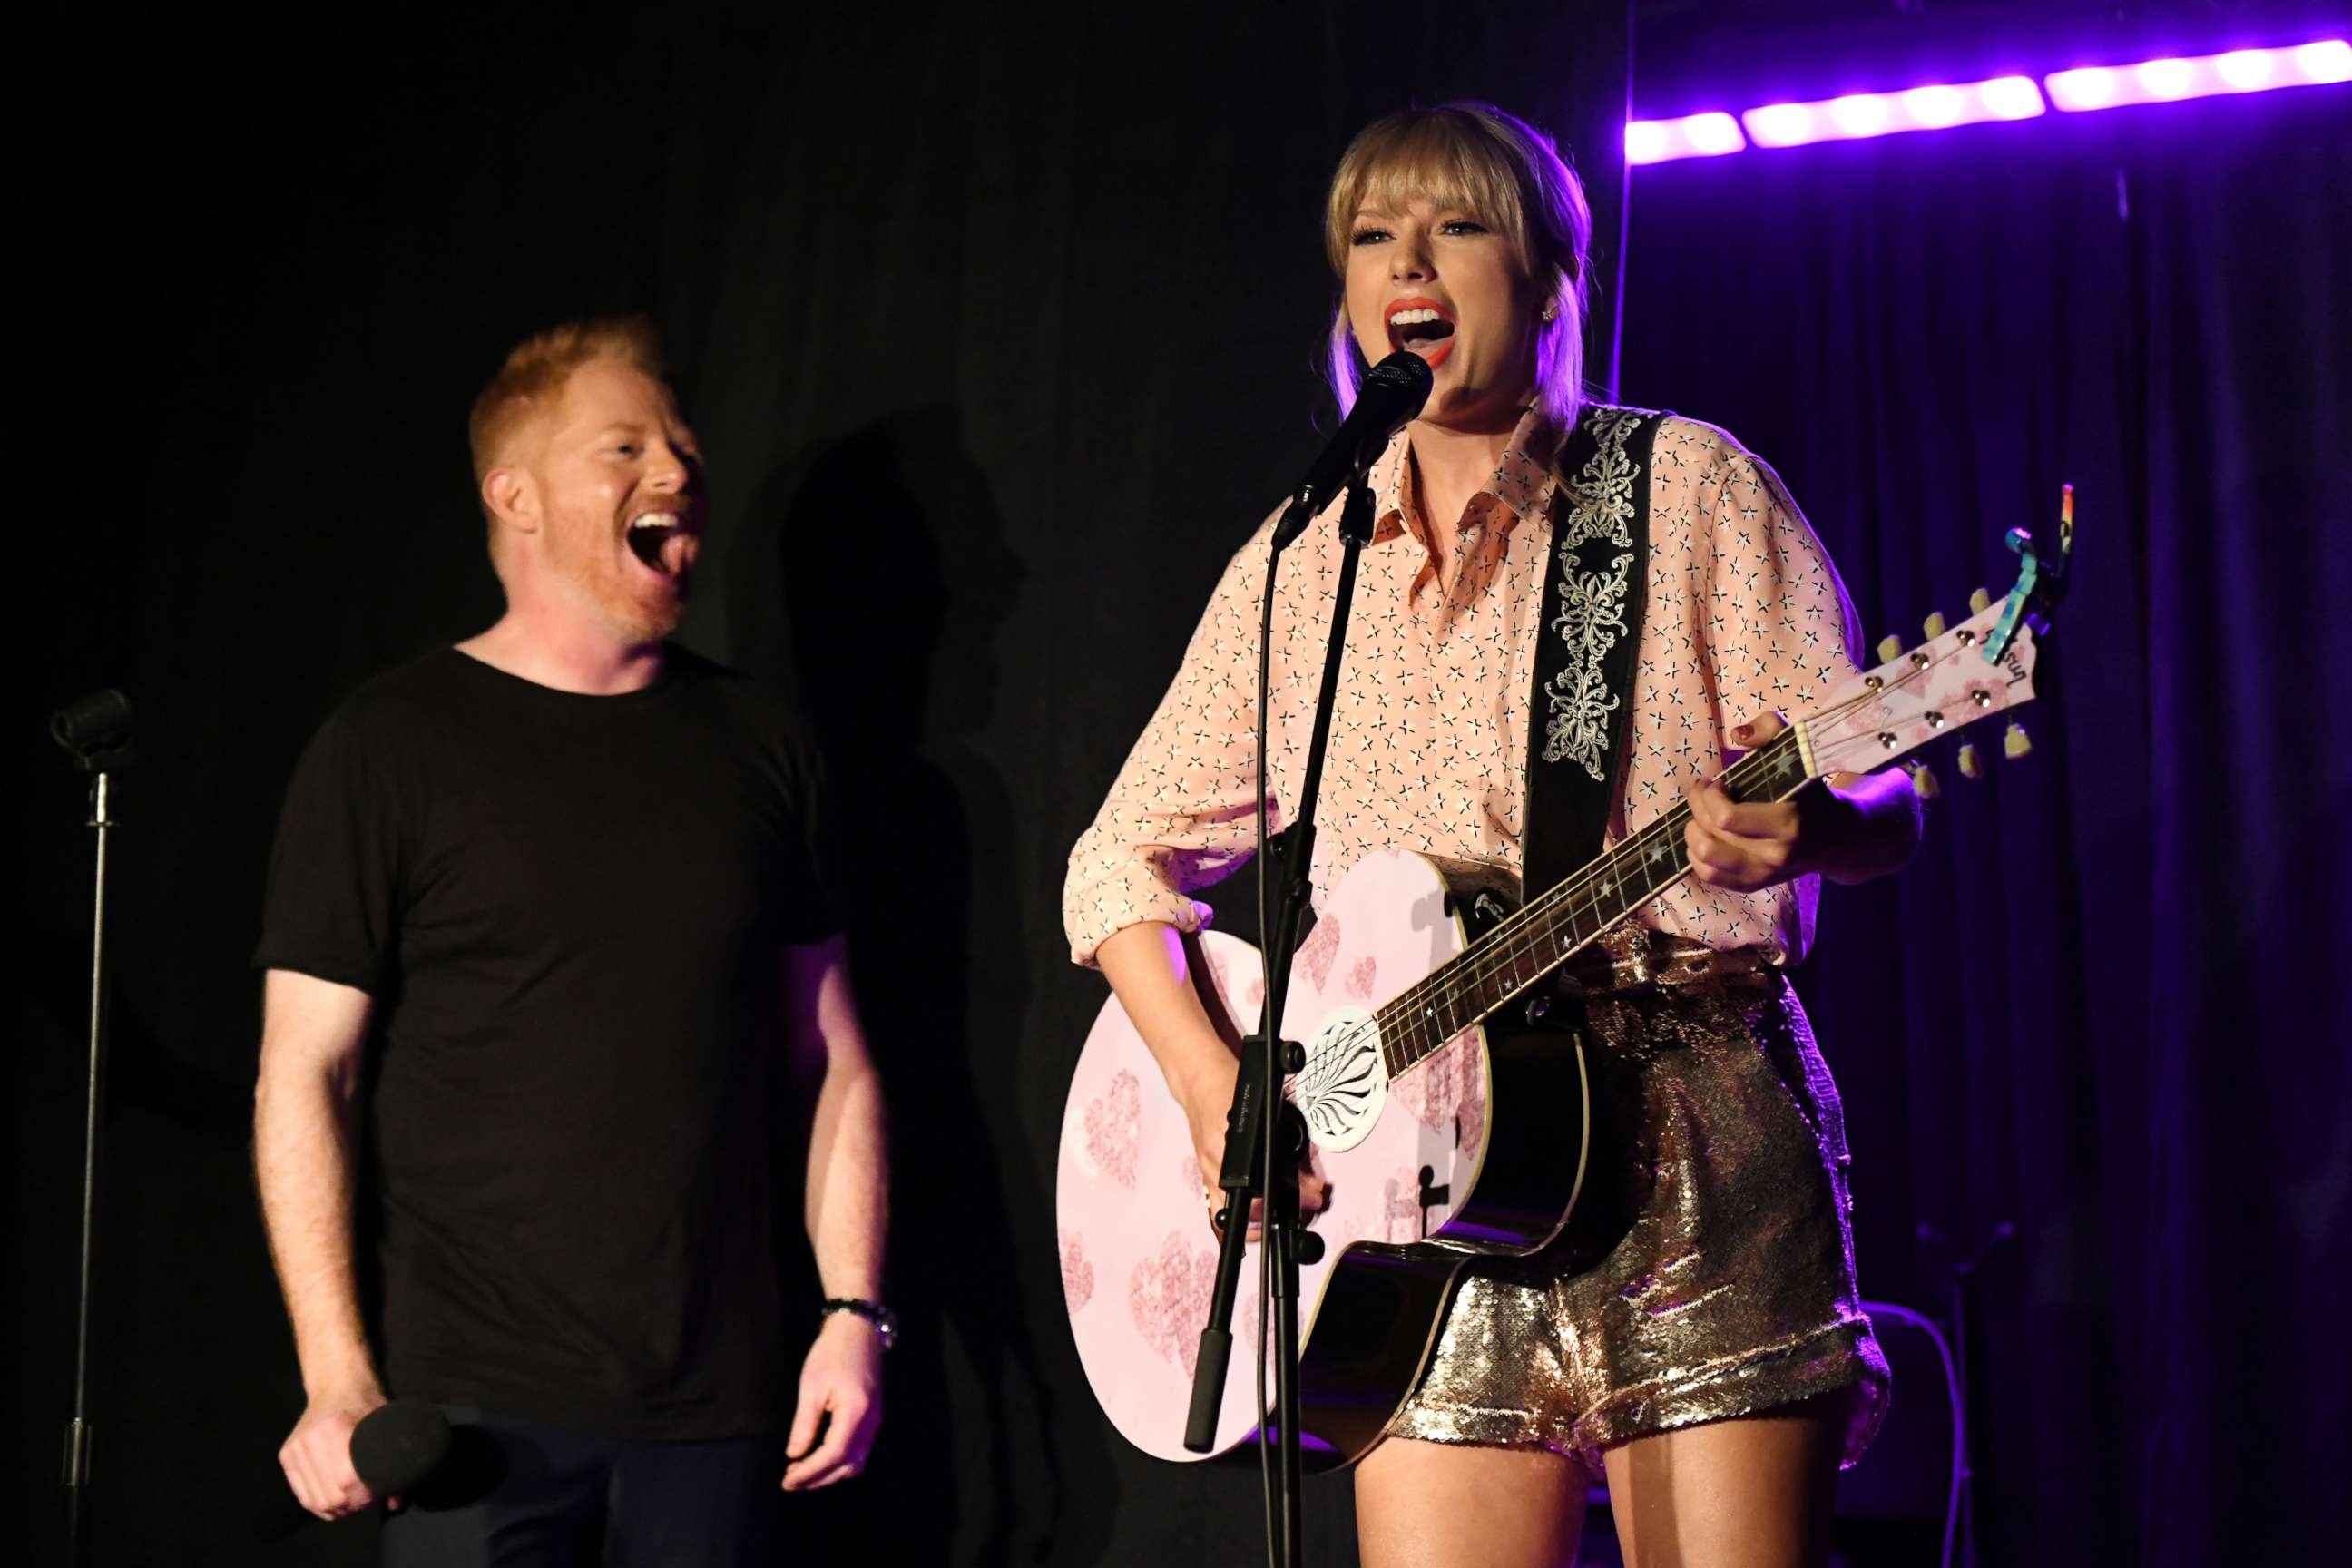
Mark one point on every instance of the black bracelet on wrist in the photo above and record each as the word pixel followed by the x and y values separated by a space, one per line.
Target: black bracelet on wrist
pixel 885 1320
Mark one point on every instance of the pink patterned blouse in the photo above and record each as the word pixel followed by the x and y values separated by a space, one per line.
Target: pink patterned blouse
pixel 1429 740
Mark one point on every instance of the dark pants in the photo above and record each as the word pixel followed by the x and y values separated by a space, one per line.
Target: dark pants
pixel 522 1494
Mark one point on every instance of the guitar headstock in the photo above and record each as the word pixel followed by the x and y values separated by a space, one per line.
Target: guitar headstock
pixel 1982 667
pixel 1945 684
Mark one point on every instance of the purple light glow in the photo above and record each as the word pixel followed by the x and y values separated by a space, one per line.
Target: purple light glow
pixel 1862 114
pixel 2245 70
pixel 1705 135
pixel 1939 107
pixel 2201 75
pixel 2329 59
pixel 2012 98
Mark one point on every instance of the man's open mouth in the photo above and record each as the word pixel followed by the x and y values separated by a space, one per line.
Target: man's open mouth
pixel 663 542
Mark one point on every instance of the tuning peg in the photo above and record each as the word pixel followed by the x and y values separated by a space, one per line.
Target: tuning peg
pixel 2016 743
pixel 1890 648
pixel 1935 625
pixel 1979 602
pixel 1969 767
pixel 1923 779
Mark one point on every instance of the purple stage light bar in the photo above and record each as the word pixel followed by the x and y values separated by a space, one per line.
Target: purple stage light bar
pixel 1939 107
pixel 2201 76
pixel 1693 136
pixel 1862 114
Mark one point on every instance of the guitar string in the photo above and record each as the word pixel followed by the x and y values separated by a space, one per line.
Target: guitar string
pixel 1505 943
pixel 1530 934
pixel 1544 905
pixel 1416 994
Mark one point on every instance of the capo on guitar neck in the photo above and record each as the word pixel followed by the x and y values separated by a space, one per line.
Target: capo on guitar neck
pixel 2041 581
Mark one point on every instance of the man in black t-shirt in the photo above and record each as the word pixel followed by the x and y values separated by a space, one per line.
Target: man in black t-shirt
pixel 569 888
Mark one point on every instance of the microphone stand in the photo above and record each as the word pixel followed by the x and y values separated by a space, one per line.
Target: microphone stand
pixel 1263 1150
pixel 96 731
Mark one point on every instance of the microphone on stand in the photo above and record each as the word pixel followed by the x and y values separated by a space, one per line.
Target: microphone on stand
pixel 95 730
pixel 1392 395
pixel 395 1447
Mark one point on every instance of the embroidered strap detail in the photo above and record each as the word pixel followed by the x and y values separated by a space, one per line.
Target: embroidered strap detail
pixel 1586 608
pixel 1594 586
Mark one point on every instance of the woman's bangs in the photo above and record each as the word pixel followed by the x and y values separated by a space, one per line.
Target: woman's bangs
pixel 1432 161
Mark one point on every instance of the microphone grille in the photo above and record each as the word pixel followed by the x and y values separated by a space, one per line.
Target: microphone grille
pixel 1404 370
pixel 399 1444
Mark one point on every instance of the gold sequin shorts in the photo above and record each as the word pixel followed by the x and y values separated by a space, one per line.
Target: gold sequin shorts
pixel 1724 1284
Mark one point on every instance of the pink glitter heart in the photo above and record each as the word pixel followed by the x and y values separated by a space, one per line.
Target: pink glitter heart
pixel 1077 1274
pixel 1322 949
pixel 1360 978
pixel 1169 1295
pixel 1448 1090
pixel 1428 1092
pixel 1114 1121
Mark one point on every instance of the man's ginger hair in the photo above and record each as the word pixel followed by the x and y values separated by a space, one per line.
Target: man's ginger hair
pixel 534 375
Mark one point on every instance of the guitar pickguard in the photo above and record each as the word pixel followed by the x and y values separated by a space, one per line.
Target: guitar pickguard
pixel 1345 1085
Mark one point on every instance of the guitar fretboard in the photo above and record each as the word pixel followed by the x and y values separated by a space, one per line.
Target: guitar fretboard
pixel 1555 925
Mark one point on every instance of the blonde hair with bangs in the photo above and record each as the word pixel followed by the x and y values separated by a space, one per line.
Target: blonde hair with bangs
pixel 1509 175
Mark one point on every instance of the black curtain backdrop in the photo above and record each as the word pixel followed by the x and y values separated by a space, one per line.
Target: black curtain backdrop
pixel 2099 1008
pixel 1002 328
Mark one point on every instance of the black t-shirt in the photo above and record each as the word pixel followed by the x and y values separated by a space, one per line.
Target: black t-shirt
pixel 568 910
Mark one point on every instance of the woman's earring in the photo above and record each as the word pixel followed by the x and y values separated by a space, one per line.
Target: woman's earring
pixel 1550 311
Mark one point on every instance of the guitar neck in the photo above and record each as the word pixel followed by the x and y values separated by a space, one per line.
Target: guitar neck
pixel 1565 920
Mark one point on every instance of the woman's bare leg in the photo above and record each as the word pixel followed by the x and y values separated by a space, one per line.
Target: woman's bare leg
pixel 1757 1493
pixel 1420 1505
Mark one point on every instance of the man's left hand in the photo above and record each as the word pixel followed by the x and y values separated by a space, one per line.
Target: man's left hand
pixel 841 1391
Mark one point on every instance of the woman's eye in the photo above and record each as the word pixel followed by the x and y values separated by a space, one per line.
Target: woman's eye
pixel 625 449
pixel 1367 237
pixel 1464 226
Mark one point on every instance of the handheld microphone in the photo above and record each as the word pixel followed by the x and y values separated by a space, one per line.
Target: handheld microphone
pixel 1393 394
pixel 394 1448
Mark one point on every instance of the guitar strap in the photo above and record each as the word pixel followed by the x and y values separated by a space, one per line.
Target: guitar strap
pixel 1595 583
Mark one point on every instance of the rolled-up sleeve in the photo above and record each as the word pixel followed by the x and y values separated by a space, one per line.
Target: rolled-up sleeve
pixel 1783 634
pixel 1183 813
pixel 1760 605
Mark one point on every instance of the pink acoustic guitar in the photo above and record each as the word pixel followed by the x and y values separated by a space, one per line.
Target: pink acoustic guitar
pixel 1444 1126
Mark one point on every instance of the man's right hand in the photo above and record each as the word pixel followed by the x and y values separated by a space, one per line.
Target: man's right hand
pixel 316 1454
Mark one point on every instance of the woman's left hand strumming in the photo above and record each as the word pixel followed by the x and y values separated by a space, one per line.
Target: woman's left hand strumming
pixel 1849 827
